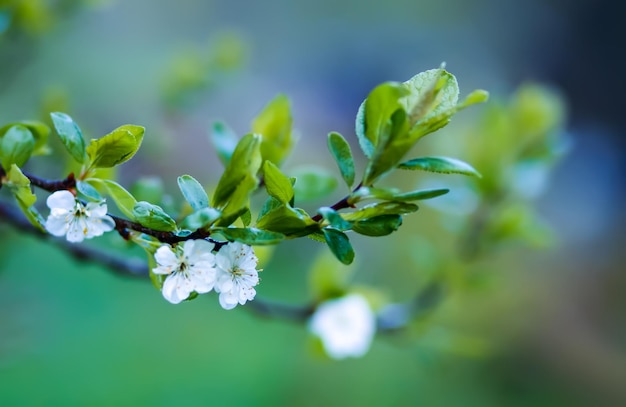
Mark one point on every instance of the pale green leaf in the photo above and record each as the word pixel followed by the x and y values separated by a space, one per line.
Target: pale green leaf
pixel 277 184
pixel 116 147
pixel 244 164
pixel 442 165
pixel 193 192
pixel 123 199
pixel 153 217
pixel 381 208
pixel 16 146
pixel 251 236
pixel 339 245
pixel 340 150
pixel 378 226
pixel 70 134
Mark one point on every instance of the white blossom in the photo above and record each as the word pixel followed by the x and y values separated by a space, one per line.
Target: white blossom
pixel 236 274
pixel 345 325
pixel 69 217
pixel 189 267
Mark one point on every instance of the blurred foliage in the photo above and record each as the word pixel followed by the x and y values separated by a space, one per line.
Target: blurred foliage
pixel 448 276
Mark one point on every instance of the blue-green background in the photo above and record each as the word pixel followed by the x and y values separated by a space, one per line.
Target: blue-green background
pixel 547 328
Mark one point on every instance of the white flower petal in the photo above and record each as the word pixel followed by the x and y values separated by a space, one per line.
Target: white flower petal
pixel 97 226
pixel 57 225
pixel 77 230
pixel 61 199
pixel 346 326
pixel 96 209
pixel 228 300
pixel 166 260
pixel 169 289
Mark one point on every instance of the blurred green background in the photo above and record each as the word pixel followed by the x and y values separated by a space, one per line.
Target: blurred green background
pixel 527 327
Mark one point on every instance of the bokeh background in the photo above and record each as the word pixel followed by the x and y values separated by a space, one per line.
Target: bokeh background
pixel 535 327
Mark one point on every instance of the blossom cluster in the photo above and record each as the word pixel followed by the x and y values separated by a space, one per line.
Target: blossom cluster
pixel 192 267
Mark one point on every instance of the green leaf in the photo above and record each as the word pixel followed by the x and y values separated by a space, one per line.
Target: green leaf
pixel 70 134
pixel 334 219
pixel 252 236
pixel 153 217
pixel 238 204
pixel 201 218
pixel 312 183
pixel 339 245
pixel 340 150
pixel 277 183
pixel 88 191
pixel 40 132
pixel 373 117
pixel 378 226
pixel 245 162
pixel 430 93
pixel 19 185
pixel 116 147
pixel 442 165
pixel 224 140
pixel 420 194
pixel 434 100
pixel 274 124
pixel 123 199
pixel 193 192
pixel 289 221
pixel 381 208
pixel 16 146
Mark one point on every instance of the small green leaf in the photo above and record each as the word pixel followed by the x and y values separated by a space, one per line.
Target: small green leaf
pixel 239 200
pixel 442 165
pixel 88 191
pixel 339 245
pixel 312 183
pixel 40 132
pixel 430 93
pixel 252 236
pixel 19 185
pixel 381 208
pixel 123 199
pixel 378 226
pixel 153 217
pixel 277 183
pixel 116 147
pixel 373 117
pixel 16 146
pixel 201 218
pixel 274 124
pixel 244 164
pixel 193 192
pixel 288 221
pixel 224 140
pixel 420 194
pixel 340 149
pixel 334 219
pixel 70 134
pixel 477 96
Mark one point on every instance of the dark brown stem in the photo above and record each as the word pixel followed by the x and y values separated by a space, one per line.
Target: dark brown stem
pixel 341 204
